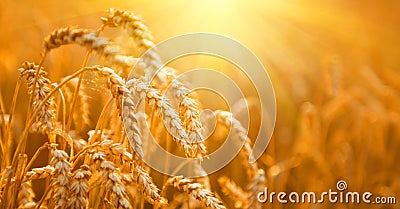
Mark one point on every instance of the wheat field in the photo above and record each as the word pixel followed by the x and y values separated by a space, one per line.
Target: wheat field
pixel 71 137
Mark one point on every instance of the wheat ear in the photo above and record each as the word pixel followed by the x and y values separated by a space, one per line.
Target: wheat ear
pixel 39 173
pixel 92 42
pixel 45 120
pixel 61 176
pixel 79 187
pixel 105 149
pixel 189 111
pixel 232 190
pixel 132 23
pixel 206 197
pixel 171 118
pixel 114 184
pixel 26 196
pixel 257 178
pixel 121 94
pixel 150 191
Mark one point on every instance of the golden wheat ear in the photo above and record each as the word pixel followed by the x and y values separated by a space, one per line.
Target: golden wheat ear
pixel 196 190
pixel 46 118
pixel 232 190
pixel 132 23
pixel 26 196
pixel 91 41
pixel 257 179
pixel 61 177
pixel 125 106
pixel 171 118
pixel 145 183
pixel 80 187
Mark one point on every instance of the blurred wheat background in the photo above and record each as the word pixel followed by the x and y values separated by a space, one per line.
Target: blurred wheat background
pixel 334 66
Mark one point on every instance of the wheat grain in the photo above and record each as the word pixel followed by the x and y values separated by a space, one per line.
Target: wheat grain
pixel 116 149
pixel 188 108
pixel 190 116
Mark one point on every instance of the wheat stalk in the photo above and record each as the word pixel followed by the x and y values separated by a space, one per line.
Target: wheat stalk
pixel 82 114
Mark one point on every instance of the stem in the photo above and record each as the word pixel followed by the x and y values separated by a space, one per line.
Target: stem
pixel 64 142
pixel 75 96
pixel 167 161
pixel 43 198
pixel 101 120
pixel 64 112
pixel 135 200
pixel 19 174
pixel 12 109
pixel 38 151
pixel 188 201
pixel 79 155
pixel 141 202
pixel 3 125
pixel 5 187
